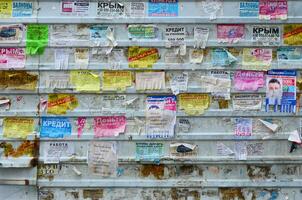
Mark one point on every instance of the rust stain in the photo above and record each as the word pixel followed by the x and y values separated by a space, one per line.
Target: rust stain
pixel 223 104
pixel 210 193
pixel 259 172
pixel 34 162
pixel 234 51
pixel 214 169
pixel 290 170
pixel 156 170
pixel 46 195
pixel 178 194
pixel 93 194
pixel 48 171
pixel 159 195
pixel 26 148
pixel 75 195
pixel 231 194
pixel 21 80
pixel 186 169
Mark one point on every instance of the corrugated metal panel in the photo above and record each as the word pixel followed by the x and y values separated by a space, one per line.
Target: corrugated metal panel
pixel 269 172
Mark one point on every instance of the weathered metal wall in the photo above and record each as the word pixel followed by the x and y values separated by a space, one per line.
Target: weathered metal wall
pixel 269 172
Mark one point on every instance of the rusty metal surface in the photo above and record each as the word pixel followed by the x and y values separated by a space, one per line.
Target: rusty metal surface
pixel 270 171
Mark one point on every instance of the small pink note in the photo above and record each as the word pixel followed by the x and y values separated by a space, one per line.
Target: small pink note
pixel 273 9
pixel 12 58
pixel 81 125
pixel 248 80
pixel 230 33
pixel 108 126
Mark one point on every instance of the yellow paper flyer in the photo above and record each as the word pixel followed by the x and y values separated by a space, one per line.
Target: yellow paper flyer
pixel 6 8
pixel 194 104
pixel 292 34
pixel 139 57
pixel 116 80
pixel 58 104
pixel 85 80
pixel 18 127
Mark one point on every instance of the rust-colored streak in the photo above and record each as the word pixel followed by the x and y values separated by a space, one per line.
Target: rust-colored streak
pixel 26 148
pixel 231 193
pixel 18 80
pixel 259 172
pixel 186 169
pixel 156 170
pixel 93 194
pixel 177 194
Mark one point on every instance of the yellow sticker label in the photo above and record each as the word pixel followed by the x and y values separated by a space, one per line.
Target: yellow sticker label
pixel 85 80
pixel 58 104
pixel 6 8
pixel 18 127
pixel 142 57
pixel 18 80
pixel 194 104
pixel 116 80
pixel 292 34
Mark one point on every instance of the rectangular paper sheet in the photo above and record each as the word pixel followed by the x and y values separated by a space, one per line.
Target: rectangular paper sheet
pixel 102 158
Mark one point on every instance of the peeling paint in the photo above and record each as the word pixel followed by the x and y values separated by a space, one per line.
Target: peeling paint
pixel 177 194
pixel 210 193
pixel 156 170
pixel 259 172
pixel 46 195
pixel 290 170
pixel 231 194
pixel 93 194
pixel 48 171
pixel 26 148
pixel 20 80
pixel 73 194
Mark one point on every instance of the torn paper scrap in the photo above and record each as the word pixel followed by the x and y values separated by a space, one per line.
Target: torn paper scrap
pixel 102 158
pixel 223 150
pixel 183 150
pixel 295 137
pixel 150 80
pixel 271 126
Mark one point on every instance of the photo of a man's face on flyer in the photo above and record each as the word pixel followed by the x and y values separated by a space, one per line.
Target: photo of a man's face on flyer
pixel 274 91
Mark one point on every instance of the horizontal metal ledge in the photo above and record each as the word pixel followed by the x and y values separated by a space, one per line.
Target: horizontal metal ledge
pixel 150 43
pixel 132 90
pixel 30 137
pixel 134 137
pixel 132 114
pixel 31 114
pixel 157 66
pixel 221 160
pixel 211 113
pixel 18 182
pixel 190 137
pixel 163 20
pixel 197 183
pixel 21 162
